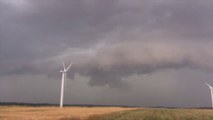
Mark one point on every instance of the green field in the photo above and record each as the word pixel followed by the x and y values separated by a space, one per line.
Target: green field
pixel 158 114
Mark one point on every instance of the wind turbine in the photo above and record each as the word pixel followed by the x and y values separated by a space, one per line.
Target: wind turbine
pixel 64 77
pixel 211 89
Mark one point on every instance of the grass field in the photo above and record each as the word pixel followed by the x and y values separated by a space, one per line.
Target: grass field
pixel 158 114
pixel 53 113
pixel 101 113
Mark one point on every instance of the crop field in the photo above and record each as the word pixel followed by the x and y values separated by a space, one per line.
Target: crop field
pixel 54 113
pixel 101 113
pixel 158 114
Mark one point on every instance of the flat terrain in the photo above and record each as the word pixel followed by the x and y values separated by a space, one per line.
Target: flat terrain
pixel 158 114
pixel 53 113
pixel 101 113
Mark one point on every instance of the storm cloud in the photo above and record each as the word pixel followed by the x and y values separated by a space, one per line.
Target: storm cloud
pixel 114 43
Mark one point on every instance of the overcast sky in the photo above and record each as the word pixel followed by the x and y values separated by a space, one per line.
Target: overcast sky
pixel 124 52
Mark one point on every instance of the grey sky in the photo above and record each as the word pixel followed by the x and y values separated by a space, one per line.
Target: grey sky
pixel 138 52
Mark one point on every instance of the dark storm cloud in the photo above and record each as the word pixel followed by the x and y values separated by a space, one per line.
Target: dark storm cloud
pixel 47 29
pixel 110 65
pixel 107 40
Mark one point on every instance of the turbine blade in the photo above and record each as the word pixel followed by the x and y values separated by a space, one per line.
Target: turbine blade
pixel 63 65
pixel 209 85
pixel 69 66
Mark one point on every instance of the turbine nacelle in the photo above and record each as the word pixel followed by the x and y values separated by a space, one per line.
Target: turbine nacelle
pixel 62 71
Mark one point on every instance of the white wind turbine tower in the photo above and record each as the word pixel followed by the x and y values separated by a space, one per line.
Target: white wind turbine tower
pixel 64 77
pixel 211 89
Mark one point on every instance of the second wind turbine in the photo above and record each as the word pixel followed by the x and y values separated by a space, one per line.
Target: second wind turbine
pixel 64 77
pixel 211 91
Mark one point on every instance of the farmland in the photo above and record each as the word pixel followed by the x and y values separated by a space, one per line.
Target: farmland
pixel 101 113
pixel 158 114
pixel 53 113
